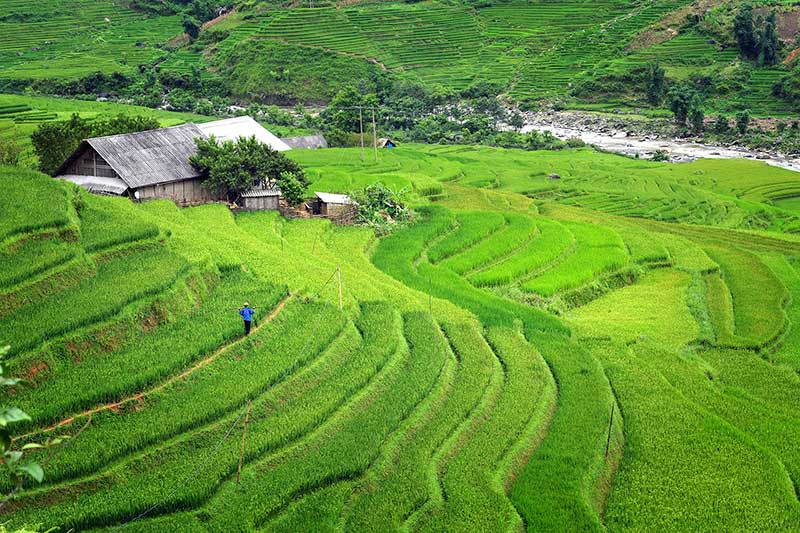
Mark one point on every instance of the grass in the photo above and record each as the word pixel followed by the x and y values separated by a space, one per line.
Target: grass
pixel 653 308
pixel 439 397
pixel 31 203
pixel 598 250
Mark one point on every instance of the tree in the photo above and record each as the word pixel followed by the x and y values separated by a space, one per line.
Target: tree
pixel 681 99
pixel 342 113
pixel 231 168
pixel 696 114
pixel 742 121
pixel 191 27
pixel 654 83
pixel 768 42
pixel 745 32
pixel 54 142
pixel 721 125
pixel 10 152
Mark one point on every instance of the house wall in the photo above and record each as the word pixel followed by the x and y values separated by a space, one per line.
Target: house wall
pixel 261 204
pixel 186 192
pixel 335 210
pixel 90 163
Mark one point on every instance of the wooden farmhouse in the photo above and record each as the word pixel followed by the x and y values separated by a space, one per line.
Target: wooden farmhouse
pixel 155 164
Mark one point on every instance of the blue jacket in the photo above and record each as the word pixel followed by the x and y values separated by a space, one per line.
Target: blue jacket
pixel 247 314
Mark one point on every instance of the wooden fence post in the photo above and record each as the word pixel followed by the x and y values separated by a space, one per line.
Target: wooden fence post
pixel 244 437
pixel 610 425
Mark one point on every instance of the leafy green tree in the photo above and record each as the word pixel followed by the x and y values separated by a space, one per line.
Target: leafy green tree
pixel 654 83
pixel 721 125
pixel 10 152
pixel 294 188
pixel 54 142
pixel 696 114
pixel 231 168
pixel 342 113
pixel 745 32
pixel 768 42
pixel 681 99
pixel 742 121
pixel 191 27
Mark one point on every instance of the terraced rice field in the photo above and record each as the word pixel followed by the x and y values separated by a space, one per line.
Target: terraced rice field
pixel 534 50
pixel 522 356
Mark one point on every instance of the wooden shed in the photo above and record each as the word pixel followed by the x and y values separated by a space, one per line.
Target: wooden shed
pixel 333 205
pixel 258 199
pixel 386 143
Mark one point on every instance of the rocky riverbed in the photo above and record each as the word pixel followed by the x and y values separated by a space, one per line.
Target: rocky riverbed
pixel 642 137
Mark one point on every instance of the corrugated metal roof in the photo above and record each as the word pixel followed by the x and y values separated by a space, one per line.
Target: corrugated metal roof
pixel 230 129
pixel 330 198
pixel 306 141
pixel 150 157
pixel 260 193
pixel 98 184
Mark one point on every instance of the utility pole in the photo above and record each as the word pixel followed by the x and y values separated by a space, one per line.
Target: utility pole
pixel 361 127
pixel 374 135
pixel 244 436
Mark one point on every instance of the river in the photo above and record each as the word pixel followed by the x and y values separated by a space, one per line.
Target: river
pixel 678 151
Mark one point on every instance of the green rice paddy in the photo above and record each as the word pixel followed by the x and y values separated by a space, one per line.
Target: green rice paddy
pixel 615 350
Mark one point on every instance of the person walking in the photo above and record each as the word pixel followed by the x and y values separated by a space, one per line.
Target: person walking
pixel 247 313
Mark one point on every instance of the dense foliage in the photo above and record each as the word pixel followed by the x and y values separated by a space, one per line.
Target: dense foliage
pixel 380 207
pixel 55 141
pixel 232 167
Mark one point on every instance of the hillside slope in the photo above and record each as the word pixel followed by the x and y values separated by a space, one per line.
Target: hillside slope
pixel 570 51
pixel 512 359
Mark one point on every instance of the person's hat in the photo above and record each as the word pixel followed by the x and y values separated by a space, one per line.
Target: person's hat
pixel 246 304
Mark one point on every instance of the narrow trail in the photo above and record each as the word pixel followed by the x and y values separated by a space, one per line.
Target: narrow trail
pixel 138 397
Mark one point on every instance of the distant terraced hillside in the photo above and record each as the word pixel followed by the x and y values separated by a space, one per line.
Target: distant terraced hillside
pixel 534 50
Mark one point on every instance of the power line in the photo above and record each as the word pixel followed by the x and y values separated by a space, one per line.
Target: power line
pixel 207 460
pixel 188 478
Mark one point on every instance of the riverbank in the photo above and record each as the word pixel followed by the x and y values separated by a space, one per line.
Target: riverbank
pixel 643 137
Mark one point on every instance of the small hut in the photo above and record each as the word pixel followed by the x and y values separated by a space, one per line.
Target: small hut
pixel 257 199
pixel 386 143
pixel 333 205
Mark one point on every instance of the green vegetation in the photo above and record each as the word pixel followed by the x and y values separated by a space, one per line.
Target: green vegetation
pixel 613 350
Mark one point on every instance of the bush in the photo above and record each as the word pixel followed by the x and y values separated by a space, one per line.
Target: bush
pixel 381 208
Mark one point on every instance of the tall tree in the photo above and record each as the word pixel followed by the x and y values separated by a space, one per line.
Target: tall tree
pixel 696 114
pixel 654 83
pixel 742 121
pixel 191 27
pixel 768 41
pixel 681 99
pixel 745 32
pixel 342 112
